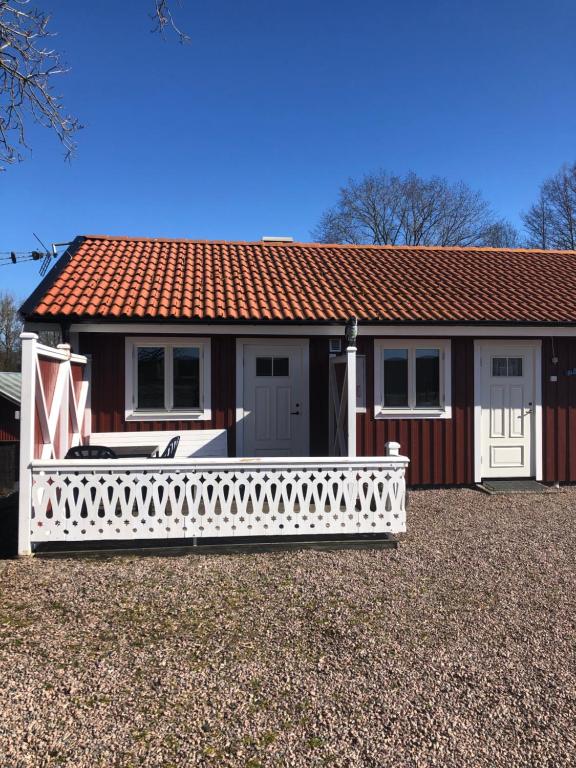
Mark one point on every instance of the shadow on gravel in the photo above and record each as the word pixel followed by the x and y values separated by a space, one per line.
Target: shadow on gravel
pixel 9 525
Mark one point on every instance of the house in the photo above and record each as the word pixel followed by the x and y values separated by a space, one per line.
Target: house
pixel 464 356
pixel 9 428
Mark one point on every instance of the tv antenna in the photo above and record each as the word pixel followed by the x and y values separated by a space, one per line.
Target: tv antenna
pixel 47 256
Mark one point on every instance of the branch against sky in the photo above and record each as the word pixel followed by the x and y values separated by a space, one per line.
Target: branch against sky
pixel 29 65
pixel 386 209
pixel 165 20
pixel 551 221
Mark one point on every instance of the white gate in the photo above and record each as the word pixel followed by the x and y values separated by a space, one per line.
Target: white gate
pixel 338 401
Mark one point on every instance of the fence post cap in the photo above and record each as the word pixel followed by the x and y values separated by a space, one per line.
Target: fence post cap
pixel 392 448
pixel 28 335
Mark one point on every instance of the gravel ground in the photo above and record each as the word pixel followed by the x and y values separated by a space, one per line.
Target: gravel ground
pixel 458 649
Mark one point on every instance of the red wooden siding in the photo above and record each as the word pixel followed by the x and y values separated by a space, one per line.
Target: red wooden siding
pixel 108 354
pixel 559 410
pixel 318 386
pixel 441 451
pixel 9 426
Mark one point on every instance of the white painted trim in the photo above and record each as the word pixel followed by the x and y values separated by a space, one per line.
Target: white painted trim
pixel 445 347
pixel 477 437
pixel 351 396
pixel 537 432
pixel 263 329
pixel 241 343
pixel 27 414
pixel 288 462
pixel 203 413
pixel 538 411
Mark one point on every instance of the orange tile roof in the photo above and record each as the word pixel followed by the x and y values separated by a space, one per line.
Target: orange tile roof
pixel 122 277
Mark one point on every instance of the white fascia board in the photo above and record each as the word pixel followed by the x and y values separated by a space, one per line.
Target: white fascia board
pixel 390 331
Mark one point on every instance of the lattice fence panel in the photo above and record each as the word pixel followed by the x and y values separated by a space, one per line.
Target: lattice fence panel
pixel 73 503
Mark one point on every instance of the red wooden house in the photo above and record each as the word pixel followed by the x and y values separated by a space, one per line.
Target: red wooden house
pixel 464 356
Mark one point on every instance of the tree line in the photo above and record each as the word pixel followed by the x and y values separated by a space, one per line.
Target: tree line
pixel 388 209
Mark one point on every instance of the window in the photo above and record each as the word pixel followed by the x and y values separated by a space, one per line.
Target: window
pixel 506 366
pixel 412 378
pixel 167 379
pixel 272 366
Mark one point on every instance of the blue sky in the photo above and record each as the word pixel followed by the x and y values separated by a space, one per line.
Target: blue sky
pixel 251 128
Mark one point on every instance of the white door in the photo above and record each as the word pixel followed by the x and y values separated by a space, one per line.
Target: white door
pixel 508 408
pixel 275 398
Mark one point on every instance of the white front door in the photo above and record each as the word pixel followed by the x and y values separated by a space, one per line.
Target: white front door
pixel 508 406
pixel 275 398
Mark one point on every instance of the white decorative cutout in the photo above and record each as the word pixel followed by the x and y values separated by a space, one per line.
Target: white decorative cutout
pixel 104 500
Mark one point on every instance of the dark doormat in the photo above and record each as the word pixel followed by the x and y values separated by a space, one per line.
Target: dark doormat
pixel 513 486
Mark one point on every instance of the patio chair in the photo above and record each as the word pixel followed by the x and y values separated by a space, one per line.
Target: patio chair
pixel 90 452
pixel 170 451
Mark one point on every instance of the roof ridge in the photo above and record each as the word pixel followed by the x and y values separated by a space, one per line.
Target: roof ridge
pixel 303 243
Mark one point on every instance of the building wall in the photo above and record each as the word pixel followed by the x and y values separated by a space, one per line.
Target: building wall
pixel 9 425
pixel 441 450
pixel 107 351
pixel 9 444
pixel 559 410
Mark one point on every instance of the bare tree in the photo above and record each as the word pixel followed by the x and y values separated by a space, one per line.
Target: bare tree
pixel 551 221
pixel 383 209
pixel 10 329
pixel 165 20
pixel 29 66
pixel 501 234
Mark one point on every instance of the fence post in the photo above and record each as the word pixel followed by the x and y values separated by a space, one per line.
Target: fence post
pixel 392 449
pixel 351 399
pixel 351 333
pixel 27 417
pixel 64 441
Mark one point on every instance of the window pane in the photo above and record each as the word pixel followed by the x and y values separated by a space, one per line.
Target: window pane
pixel 499 366
pixel 396 378
pixel 281 366
pixel 150 377
pixel 263 366
pixel 427 378
pixel 186 363
pixel 514 366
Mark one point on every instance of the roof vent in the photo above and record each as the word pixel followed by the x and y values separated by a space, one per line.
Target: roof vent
pixel 270 239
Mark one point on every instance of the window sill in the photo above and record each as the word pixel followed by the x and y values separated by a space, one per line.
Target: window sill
pixel 415 413
pixel 200 415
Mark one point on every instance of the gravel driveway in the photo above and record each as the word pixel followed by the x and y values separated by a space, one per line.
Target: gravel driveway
pixel 458 649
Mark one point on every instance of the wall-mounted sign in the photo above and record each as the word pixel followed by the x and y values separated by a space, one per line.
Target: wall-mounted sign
pixel 571 372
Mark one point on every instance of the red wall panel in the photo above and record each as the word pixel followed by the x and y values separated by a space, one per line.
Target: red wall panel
pixel 441 451
pixel 9 426
pixel 559 410
pixel 108 355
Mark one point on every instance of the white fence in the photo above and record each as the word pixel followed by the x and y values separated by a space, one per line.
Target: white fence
pixel 163 499
pixel 131 499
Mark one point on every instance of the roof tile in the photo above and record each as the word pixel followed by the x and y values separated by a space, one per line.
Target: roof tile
pixel 190 279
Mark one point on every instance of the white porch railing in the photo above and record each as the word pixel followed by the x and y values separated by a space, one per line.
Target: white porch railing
pixel 163 499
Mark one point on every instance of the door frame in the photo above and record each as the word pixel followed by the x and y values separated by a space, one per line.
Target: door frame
pixel 241 344
pixel 536 448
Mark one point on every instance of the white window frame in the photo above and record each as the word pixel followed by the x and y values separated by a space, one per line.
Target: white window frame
pixel 412 412
pixel 131 413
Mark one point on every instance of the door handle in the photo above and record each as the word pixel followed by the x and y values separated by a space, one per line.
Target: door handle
pixel 294 413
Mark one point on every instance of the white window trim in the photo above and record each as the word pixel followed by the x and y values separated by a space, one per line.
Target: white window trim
pixel 131 413
pixel 445 411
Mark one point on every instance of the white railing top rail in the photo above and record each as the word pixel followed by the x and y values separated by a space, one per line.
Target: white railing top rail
pixel 61 352
pixel 219 463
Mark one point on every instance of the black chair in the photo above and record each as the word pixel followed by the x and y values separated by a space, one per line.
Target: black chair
pixel 170 450
pixel 90 452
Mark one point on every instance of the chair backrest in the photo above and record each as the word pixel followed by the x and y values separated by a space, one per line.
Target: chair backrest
pixel 90 452
pixel 170 450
